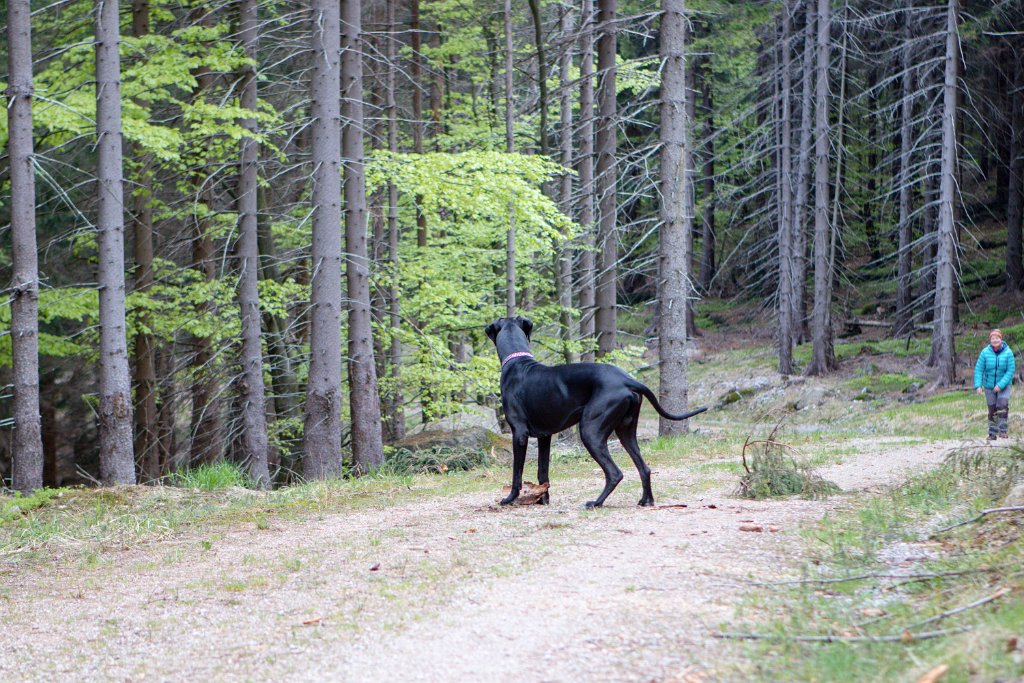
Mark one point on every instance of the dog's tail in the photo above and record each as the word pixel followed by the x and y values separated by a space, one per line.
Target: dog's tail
pixel 645 391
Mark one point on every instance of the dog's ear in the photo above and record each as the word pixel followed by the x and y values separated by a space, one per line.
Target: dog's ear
pixel 492 331
pixel 527 326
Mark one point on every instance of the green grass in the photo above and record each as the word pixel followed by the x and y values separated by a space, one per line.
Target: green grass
pixel 211 477
pixel 886 383
pixel 855 543
pixel 13 507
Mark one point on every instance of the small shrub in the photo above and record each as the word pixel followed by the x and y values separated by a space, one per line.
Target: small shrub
pixel 772 472
pixel 212 477
pixel 996 469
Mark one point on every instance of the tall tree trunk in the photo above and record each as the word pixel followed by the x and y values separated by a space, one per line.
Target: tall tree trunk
pixel 254 444
pixel 784 297
pixel 395 409
pixel 564 253
pixel 117 463
pixel 542 75
pixel 943 342
pixel 27 465
pixel 803 178
pixel 870 232
pixel 510 146
pixel 585 168
pixel 673 249
pixel 905 227
pixel 707 260
pixel 607 201
pixel 146 430
pixel 323 388
pixel 416 45
pixel 822 355
pixel 364 400
pixel 1015 184
pixel 690 181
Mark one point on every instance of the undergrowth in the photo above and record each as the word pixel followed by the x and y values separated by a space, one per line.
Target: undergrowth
pixel 773 470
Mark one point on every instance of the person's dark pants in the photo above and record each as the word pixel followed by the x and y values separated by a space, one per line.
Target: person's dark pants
pixel 998 411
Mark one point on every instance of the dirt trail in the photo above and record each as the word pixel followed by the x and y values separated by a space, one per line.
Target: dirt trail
pixel 444 589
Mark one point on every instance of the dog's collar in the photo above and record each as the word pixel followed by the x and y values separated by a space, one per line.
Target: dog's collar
pixel 513 356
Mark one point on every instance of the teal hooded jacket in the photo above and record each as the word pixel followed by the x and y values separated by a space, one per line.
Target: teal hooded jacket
pixel 994 368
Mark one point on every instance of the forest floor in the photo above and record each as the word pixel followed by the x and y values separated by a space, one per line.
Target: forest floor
pixel 438 588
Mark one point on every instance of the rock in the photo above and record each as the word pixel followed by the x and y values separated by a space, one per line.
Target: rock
pixel 1015 497
pixel 471 439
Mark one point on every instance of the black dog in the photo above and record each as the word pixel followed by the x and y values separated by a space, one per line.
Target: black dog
pixel 540 401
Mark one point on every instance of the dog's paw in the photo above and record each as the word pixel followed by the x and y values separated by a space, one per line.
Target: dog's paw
pixel 646 502
pixel 507 500
pixel 591 504
pixel 545 499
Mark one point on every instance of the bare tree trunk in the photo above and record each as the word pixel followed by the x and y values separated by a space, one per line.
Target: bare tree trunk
pixel 323 388
pixel 364 401
pixel 870 232
pixel 904 269
pixel 395 412
pixel 1015 186
pixel 27 465
pixel 415 43
pixel 510 146
pixel 707 261
pixel 673 249
pixel 252 391
pixel 117 463
pixel 822 355
pixel 585 168
pixel 146 429
pixel 607 201
pixel 542 75
pixel 564 254
pixel 690 181
pixel 943 342
pixel 784 297
pixel 803 179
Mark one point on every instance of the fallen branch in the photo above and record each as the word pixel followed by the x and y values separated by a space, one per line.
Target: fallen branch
pixel 862 577
pixel 963 608
pixel 905 637
pixel 1015 508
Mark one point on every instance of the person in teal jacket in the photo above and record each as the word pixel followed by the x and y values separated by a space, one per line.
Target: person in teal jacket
pixel 993 376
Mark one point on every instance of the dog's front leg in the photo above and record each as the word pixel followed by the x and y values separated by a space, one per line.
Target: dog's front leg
pixel 519 441
pixel 543 461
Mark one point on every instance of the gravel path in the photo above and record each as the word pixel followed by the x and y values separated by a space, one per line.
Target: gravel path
pixel 443 589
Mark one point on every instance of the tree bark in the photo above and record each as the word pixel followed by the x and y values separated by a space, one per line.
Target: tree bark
pixel 254 445
pixel 416 45
pixel 364 400
pixel 707 260
pixel 676 217
pixel 803 178
pixel 607 201
pixel 904 270
pixel 943 342
pixel 585 168
pixel 1015 184
pixel 822 355
pixel 564 250
pixel 146 430
pixel 395 409
pixel 323 388
pixel 27 465
pixel 510 146
pixel 542 76
pixel 117 463
pixel 784 296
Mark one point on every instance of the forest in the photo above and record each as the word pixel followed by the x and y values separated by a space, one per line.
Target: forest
pixel 272 231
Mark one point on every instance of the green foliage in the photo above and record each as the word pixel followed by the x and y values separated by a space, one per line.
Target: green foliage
pixel 774 471
pixel 212 477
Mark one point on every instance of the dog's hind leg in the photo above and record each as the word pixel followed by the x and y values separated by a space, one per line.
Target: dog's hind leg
pixel 519 441
pixel 594 432
pixel 626 431
pixel 543 461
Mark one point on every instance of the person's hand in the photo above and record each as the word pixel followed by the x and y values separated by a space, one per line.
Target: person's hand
pixel 996 388
pixel 980 390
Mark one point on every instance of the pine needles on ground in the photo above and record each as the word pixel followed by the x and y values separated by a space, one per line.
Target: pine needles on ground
pixel 773 470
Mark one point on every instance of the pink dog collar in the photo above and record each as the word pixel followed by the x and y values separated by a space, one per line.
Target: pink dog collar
pixel 513 356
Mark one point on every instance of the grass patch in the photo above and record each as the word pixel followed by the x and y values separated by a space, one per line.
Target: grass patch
pixel 438 460
pixel 772 471
pixel 886 383
pixel 13 507
pixel 212 477
pixel 883 536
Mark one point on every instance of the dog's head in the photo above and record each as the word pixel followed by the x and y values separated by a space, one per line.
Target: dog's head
pixel 498 325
